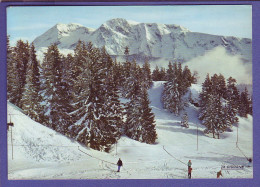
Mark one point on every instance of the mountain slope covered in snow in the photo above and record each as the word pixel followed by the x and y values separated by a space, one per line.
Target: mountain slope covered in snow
pixel 41 153
pixel 145 40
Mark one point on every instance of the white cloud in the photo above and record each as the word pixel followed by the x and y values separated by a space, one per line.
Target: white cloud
pixel 219 61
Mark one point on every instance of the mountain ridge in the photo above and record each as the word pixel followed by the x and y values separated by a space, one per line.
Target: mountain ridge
pixel 155 40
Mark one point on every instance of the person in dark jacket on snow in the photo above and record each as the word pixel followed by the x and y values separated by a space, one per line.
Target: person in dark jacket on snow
pixel 119 164
pixel 219 174
pixel 189 164
pixel 189 172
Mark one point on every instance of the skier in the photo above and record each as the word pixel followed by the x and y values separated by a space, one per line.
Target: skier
pixel 249 162
pixel 189 164
pixel 189 172
pixel 219 173
pixel 119 164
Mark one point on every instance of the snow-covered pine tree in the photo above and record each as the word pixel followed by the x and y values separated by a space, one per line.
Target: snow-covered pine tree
pixel 156 74
pixel 179 79
pixel 220 121
pixel 12 74
pixel 68 75
pixel 244 106
pixel 187 79
pixel 171 72
pixel 219 87
pixel 173 90
pixel 56 94
pixel 99 115
pixel 185 120
pixel 140 123
pixel 148 124
pixel 232 97
pixel 113 111
pixel 146 75
pixel 21 58
pixel 134 75
pixel 204 95
pixel 118 73
pixel 126 52
pixel 87 127
pixel 212 112
pixel 127 74
pixel 31 100
pixel 195 77
pixel 79 77
pixel 162 74
pixel 112 106
pixel 209 115
pixel 133 124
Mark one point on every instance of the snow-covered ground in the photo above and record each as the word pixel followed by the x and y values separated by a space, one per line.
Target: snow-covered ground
pixel 41 153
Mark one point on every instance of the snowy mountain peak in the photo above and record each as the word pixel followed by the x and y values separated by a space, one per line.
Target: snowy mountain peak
pixel 68 27
pixel 62 34
pixel 153 40
pixel 117 21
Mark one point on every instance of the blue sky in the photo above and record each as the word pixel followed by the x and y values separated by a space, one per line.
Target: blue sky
pixel 229 20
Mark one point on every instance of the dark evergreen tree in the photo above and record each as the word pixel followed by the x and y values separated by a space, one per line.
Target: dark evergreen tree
pixel 174 89
pixel 118 73
pixel 56 93
pixel 195 77
pixel 232 97
pixel 206 91
pixel 171 72
pixel 146 75
pixel 113 111
pixel 126 52
pixel 216 115
pixel 133 124
pixel 156 74
pixel 21 58
pixel 244 107
pixel 99 119
pixel 139 123
pixel 31 100
pixel 134 75
pixel 112 105
pixel 219 87
pixel 187 79
pixel 12 75
pixel 220 121
pixel 162 74
pixel 148 124
pixel 79 77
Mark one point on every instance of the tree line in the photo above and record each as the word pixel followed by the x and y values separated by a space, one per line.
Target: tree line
pixel 80 95
pixel 221 103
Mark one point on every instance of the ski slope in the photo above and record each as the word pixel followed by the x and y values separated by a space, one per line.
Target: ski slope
pixel 41 153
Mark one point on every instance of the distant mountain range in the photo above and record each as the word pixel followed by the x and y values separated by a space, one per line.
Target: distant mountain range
pixel 145 40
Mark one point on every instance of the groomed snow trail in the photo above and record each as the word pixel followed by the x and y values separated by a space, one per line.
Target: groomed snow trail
pixel 41 153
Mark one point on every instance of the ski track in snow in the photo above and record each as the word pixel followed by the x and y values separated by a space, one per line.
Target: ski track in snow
pixel 41 153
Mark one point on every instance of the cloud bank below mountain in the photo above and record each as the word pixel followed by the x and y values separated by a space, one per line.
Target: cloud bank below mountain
pixel 219 61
